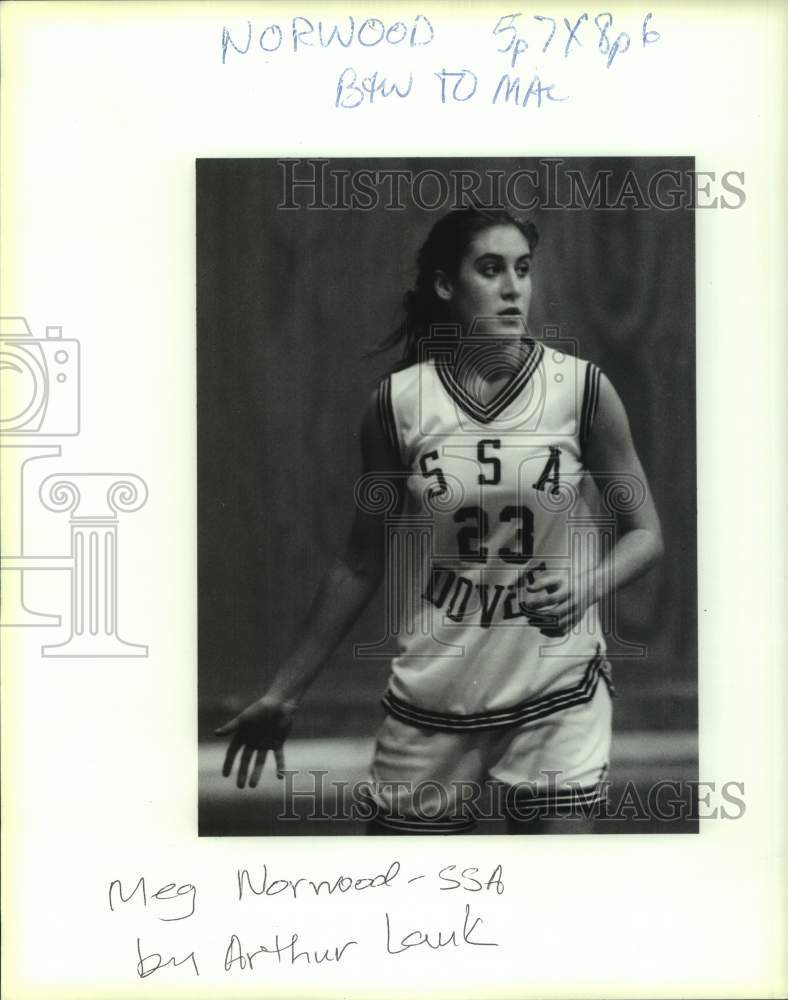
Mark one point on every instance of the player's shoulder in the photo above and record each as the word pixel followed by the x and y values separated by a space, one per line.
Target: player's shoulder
pixel 404 381
pixel 408 370
pixel 570 370
pixel 574 382
pixel 380 410
pixel 562 355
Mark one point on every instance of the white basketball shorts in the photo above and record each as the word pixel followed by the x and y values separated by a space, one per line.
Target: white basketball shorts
pixel 425 780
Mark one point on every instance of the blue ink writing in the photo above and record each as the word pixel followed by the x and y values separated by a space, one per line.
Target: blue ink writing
pixel 303 33
pixel 352 93
pixel 536 91
pixel 516 45
pixel 541 17
pixel 275 42
pixel 511 41
pixel 464 87
pixel 649 35
pixel 227 40
pixel 572 29
pixel 516 35
pixel 606 47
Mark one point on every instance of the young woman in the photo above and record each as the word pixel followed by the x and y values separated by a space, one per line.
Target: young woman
pixel 503 460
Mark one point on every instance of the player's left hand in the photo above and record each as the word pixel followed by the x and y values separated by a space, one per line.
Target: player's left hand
pixel 556 601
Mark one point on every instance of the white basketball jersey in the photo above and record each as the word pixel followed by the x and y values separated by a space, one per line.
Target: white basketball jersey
pixel 497 494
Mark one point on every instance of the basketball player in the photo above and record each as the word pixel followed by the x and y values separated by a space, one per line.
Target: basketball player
pixel 513 459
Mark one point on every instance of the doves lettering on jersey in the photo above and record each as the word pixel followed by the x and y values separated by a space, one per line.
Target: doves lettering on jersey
pixel 452 591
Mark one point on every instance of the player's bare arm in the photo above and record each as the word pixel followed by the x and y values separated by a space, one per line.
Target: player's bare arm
pixel 343 593
pixel 611 457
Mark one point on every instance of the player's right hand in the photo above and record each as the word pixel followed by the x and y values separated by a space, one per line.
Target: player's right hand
pixel 262 726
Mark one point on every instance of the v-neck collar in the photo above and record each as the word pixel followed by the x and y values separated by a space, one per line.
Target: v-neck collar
pixel 486 412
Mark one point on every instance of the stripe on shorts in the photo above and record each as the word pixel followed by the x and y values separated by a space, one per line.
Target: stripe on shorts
pixel 412 825
pixel 526 803
pixel 526 711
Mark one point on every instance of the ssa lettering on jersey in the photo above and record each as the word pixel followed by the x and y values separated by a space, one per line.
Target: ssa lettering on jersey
pixel 501 494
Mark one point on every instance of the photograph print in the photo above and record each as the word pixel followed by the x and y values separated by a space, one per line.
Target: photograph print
pixel 446 496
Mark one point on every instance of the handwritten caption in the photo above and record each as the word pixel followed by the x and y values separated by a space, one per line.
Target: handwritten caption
pixel 524 44
pixel 387 932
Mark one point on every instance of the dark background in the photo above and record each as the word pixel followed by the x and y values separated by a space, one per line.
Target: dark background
pixel 288 302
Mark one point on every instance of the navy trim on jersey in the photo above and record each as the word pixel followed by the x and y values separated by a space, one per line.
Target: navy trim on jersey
pixel 486 412
pixel 526 711
pixel 590 401
pixel 386 415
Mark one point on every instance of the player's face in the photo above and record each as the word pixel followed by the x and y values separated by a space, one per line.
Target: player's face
pixel 493 284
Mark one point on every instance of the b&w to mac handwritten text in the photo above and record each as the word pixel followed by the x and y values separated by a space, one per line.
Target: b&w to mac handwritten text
pixel 528 49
